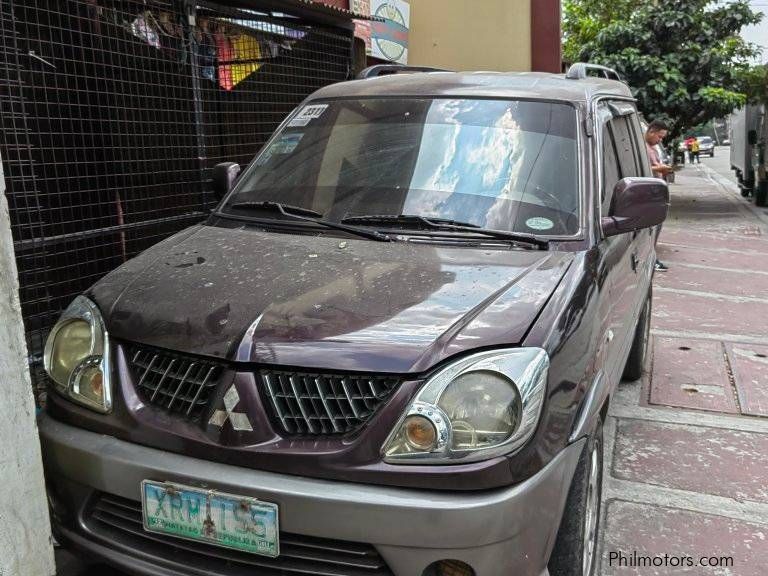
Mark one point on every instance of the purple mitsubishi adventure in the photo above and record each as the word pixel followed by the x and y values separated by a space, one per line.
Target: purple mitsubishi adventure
pixel 388 351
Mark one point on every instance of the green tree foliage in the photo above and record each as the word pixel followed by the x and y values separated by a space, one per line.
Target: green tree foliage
pixel 584 19
pixel 684 59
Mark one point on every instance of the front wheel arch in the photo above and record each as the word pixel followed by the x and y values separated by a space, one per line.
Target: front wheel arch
pixel 580 524
pixel 633 369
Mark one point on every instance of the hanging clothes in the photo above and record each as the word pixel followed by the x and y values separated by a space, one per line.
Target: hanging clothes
pixel 206 46
pixel 225 53
pixel 142 27
pixel 247 52
pixel 273 48
pixel 172 33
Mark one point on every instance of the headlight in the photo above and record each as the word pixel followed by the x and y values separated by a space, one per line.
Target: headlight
pixel 479 407
pixel 77 356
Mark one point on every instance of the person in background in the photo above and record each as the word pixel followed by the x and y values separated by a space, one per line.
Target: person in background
pixel 688 146
pixel 656 132
pixel 695 150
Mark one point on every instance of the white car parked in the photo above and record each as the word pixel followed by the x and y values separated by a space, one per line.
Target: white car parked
pixel 706 146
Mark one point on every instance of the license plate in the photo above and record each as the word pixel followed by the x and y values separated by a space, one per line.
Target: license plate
pixel 226 520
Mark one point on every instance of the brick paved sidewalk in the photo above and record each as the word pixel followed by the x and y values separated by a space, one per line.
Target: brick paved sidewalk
pixel 687 446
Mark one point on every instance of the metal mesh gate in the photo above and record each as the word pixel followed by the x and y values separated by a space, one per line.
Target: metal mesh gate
pixel 112 114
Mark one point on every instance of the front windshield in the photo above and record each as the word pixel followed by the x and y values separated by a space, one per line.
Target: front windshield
pixel 499 164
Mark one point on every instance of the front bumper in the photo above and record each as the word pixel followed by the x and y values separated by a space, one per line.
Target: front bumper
pixel 497 532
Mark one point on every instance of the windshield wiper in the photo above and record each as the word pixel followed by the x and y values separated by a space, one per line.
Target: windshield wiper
pixel 274 206
pixel 306 214
pixel 448 225
pixel 407 219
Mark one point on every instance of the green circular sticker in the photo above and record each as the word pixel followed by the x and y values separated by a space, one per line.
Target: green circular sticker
pixel 539 223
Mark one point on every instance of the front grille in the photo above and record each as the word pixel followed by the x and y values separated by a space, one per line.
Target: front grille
pixel 298 403
pixel 315 404
pixel 119 522
pixel 176 383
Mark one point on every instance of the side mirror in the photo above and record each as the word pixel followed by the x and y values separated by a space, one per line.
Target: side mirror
pixel 752 137
pixel 637 203
pixel 224 176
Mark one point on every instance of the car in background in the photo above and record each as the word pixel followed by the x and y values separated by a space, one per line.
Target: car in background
pixel 706 146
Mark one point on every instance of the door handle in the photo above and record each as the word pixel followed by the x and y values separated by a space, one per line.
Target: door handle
pixel 633 262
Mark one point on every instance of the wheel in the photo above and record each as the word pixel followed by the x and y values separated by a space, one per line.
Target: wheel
pixel 761 194
pixel 633 369
pixel 749 186
pixel 575 551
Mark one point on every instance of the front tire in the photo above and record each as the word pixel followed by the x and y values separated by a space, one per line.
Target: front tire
pixel 633 369
pixel 575 551
pixel 761 194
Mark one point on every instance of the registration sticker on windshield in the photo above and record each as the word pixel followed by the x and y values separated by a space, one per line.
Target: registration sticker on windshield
pixel 307 114
pixel 539 223
pixel 286 144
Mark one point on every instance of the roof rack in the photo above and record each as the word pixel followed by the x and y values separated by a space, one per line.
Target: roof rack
pixel 386 69
pixel 580 70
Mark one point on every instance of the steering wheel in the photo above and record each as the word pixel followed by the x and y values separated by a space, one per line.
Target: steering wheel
pixel 545 196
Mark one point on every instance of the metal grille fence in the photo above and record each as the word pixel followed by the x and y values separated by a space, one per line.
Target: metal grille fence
pixel 112 113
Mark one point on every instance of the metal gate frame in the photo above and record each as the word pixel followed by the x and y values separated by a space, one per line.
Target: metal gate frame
pixel 112 115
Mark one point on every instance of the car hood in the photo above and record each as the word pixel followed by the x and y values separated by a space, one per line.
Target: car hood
pixel 251 295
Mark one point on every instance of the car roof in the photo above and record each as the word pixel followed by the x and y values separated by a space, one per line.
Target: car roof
pixel 524 85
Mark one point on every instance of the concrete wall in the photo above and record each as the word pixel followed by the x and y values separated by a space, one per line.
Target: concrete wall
pixel 25 532
pixel 471 34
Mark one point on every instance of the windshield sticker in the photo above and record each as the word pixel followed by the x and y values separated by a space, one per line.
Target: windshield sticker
pixel 307 114
pixel 284 145
pixel 539 223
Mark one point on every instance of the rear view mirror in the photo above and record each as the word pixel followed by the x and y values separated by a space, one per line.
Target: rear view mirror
pixel 637 203
pixel 752 137
pixel 224 176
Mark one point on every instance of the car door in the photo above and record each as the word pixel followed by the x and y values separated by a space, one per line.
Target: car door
pixel 613 250
pixel 621 159
pixel 645 240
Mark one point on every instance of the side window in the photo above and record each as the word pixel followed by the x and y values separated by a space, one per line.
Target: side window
pixel 611 171
pixel 625 147
pixel 644 162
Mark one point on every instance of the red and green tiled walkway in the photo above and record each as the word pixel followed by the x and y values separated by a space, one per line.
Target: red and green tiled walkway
pixel 686 471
